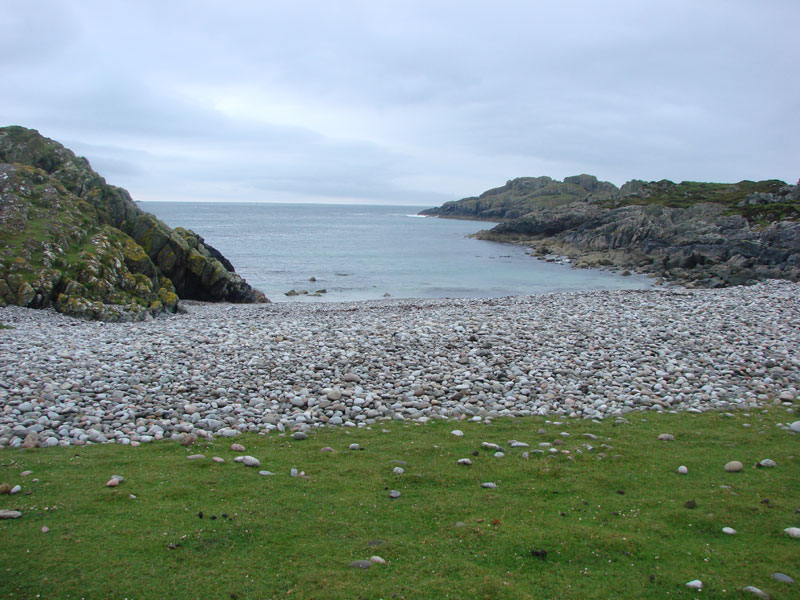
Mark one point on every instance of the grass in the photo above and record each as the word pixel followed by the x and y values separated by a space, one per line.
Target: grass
pixel 611 528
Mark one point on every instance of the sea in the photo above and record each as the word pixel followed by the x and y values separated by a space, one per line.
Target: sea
pixel 358 252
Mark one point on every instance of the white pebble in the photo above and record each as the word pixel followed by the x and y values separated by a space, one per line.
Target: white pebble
pixel 683 470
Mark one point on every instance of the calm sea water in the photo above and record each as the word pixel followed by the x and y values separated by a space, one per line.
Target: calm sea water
pixel 364 252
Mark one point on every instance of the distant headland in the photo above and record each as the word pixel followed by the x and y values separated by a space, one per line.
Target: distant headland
pixel 698 234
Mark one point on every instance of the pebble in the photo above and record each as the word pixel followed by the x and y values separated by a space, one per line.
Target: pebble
pixel 683 470
pixel 15 490
pixel 782 577
pixel 113 482
pixel 767 463
pixel 266 473
pixel 464 461
pixel 489 484
pixel 10 514
pixel 377 560
pixel 45 529
pixel 293 472
pixel 361 564
pixel 218 459
pixel 237 448
pixel 394 494
pixel 490 446
pixel 257 381
pixel 195 457
pixel 5 488
pixel 354 447
pixel 499 454
pixel 516 444
pixel 326 449
pixel 667 437
pixel 695 584
pixel 729 530
pixel 250 461
pixel 398 470
pixel 457 433
pixel 792 532
pixel 299 435
pixel 26 473
pixel 734 466
pixel 758 593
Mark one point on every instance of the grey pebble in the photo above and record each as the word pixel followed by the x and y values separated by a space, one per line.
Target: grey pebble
pixel 758 593
pixel 195 457
pixel 299 435
pixel 489 484
pixel 398 470
pixel 782 577
pixel 266 473
pixel 767 463
pixel 250 461
pixel 394 494
pixel 10 514
pixel 361 564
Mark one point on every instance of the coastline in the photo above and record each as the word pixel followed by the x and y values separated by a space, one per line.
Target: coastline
pixel 223 369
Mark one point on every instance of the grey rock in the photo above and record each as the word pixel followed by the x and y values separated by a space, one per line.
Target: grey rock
pixel 393 494
pixel 16 489
pixel 758 593
pixel 465 461
pixel 361 564
pixel 767 463
pixel 250 461
pixel 666 437
pixel 489 484
pixel 299 435
pixel 782 577
pixel 195 457
pixel 10 514
pixel 734 466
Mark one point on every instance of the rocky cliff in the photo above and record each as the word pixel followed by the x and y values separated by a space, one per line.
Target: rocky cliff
pixel 70 240
pixel 705 234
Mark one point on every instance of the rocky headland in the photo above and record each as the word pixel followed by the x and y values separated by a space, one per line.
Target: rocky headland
pixel 698 234
pixel 70 241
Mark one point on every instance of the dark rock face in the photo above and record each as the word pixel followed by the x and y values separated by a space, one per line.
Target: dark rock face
pixel 706 234
pixel 70 240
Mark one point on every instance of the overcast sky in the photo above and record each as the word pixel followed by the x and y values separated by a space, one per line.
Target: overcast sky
pixel 405 102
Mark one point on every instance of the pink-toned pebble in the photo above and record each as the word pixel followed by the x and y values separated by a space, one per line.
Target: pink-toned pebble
pixel 45 529
pixel 113 482
pixel 217 459
pixel 237 447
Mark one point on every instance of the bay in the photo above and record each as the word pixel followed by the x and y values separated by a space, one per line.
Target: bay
pixel 358 252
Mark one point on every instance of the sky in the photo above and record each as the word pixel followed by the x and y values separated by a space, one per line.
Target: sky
pixel 404 102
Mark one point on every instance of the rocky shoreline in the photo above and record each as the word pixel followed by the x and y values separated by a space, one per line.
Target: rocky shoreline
pixel 224 369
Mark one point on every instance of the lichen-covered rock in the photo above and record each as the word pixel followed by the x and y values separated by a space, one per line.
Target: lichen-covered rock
pixel 70 240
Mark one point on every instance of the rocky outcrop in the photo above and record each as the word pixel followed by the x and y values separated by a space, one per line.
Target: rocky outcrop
pixel 70 240
pixel 704 234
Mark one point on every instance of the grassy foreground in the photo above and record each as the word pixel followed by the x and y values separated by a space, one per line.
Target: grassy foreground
pixel 611 527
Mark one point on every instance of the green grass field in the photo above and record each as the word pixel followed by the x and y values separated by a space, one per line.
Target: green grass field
pixel 612 520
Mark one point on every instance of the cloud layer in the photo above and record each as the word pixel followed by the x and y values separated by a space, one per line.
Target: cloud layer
pixel 413 102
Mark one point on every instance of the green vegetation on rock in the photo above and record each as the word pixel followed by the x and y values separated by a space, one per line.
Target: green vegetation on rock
pixel 71 241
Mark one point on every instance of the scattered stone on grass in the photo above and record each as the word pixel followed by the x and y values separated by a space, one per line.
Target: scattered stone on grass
pixel 795 426
pixel 398 470
pixel 354 447
pixel 361 564
pixel 45 529
pixel 499 454
pixel 758 593
pixel 293 472
pixel 218 459
pixel 250 461
pixel 667 437
pixel 26 473
pixel 299 435
pixel 729 530
pixel 237 447
pixel 490 446
pixel 10 514
pixel 394 494
pixel 695 584
pixel 767 463
pixel 457 433
pixel 516 444
pixel 734 466
pixel 377 560
pixel 113 482
pixel 5 488
pixel 326 449
pixel 265 473
pixel 782 577
pixel 489 484
pixel 15 490
pixel 464 461
pixel 792 532
pixel 683 470
pixel 196 457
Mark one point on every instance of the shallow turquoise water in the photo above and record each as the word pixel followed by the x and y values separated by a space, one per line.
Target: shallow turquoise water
pixel 364 252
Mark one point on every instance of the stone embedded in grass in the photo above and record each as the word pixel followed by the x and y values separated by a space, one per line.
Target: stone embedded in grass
pixel 394 494
pixel 516 444
pixel 792 532
pixel 293 472
pixel 45 529
pixel 250 461
pixel 237 447
pixel 795 426
pixel 354 447
pixel 489 484
pixel 195 457
pixel 266 473
pixel 526 455
pixel 26 473
pixel 490 446
pixel 729 531
pixel 5 488
pixel 299 435
pixel 734 466
pixel 782 577
pixel 113 482
pixel 326 449
pixel 15 490
pixel 218 459
pixel 464 461
pixel 767 463
pixel 499 454
pixel 457 433
pixel 695 584
pixel 758 593
pixel 683 470
pixel 667 437
pixel 591 436
pixel 377 560
pixel 10 514
pixel 398 470
pixel 361 564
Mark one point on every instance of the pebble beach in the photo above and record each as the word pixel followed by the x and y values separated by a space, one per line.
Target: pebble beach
pixel 222 369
